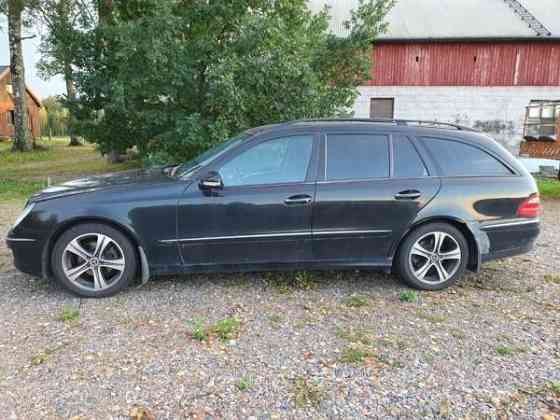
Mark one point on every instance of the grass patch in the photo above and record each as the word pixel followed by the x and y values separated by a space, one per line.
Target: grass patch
pixel 433 318
pixel 506 350
pixel 549 188
pixel 226 329
pixel 408 296
pixel 70 313
pixel 356 301
pixel 199 331
pixel 289 282
pixel 458 334
pixel 355 355
pixel 44 356
pixel 12 189
pixel 353 336
pixel 245 383
pixel 307 392
pixel 23 173
pixel 276 319
pixel 552 278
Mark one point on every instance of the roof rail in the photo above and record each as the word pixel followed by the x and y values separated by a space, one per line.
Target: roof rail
pixel 424 123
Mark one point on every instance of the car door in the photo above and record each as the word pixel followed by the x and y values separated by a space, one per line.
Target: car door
pixel 261 214
pixel 372 186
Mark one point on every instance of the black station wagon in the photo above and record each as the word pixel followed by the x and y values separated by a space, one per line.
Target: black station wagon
pixel 425 200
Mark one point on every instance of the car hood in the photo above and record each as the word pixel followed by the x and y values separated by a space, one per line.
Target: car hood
pixel 104 182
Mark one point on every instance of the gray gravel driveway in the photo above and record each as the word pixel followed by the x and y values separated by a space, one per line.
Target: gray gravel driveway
pixel 305 345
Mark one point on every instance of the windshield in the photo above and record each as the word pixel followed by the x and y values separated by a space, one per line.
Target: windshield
pixel 208 156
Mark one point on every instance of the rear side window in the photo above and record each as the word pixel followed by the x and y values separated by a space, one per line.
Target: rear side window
pixel 459 159
pixel 408 163
pixel 356 156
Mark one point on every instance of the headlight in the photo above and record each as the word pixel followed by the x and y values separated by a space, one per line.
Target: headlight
pixel 24 214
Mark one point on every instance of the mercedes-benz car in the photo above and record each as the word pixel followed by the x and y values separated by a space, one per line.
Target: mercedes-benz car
pixel 425 200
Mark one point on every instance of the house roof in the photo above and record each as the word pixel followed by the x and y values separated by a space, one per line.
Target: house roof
pixel 5 70
pixel 458 19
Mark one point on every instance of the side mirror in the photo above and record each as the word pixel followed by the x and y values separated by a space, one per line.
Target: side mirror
pixel 211 181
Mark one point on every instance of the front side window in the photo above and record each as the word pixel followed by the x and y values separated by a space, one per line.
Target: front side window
pixel 460 159
pixel 278 161
pixel 408 163
pixel 356 156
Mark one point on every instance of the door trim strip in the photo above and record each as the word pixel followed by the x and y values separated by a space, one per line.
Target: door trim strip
pixel 275 235
pixel 346 232
pixel 513 223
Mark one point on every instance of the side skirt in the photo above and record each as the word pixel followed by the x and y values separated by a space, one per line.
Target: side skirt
pixel 384 266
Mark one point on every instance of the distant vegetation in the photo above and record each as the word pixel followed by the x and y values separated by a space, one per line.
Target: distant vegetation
pixel 549 188
pixel 54 118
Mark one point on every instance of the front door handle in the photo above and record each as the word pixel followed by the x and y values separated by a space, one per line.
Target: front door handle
pixel 301 199
pixel 408 195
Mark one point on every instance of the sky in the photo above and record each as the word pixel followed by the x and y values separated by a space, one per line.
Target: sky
pixel 31 56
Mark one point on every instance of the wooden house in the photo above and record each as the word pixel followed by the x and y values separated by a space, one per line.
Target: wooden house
pixel 7 107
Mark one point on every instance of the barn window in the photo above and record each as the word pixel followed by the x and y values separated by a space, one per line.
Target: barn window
pixel 417 59
pixel 11 117
pixel 382 108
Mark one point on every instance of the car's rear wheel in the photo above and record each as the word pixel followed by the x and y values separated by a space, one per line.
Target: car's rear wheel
pixel 433 257
pixel 94 260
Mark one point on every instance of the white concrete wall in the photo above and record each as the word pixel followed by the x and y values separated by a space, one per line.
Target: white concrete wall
pixel 500 111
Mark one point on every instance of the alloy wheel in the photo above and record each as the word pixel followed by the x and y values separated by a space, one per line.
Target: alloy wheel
pixel 435 257
pixel 93 261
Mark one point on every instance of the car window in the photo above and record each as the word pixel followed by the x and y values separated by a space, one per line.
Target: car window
pixel 277 161
pixel 460 159
pixel 356 156
pixel 408 163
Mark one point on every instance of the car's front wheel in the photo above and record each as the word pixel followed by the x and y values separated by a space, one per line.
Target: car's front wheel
pixel 94 260
pixel 433 257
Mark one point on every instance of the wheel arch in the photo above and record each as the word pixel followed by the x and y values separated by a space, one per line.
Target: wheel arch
pixel 472 240
pixel 70 223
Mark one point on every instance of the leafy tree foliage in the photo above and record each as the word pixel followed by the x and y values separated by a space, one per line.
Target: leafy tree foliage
pixel 174 77
pixel 65 22
pixel 54 117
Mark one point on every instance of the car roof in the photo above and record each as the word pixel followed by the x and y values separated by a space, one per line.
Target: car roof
pixel 359 122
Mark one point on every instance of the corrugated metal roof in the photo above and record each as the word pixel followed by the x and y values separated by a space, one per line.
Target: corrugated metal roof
pixel 453 19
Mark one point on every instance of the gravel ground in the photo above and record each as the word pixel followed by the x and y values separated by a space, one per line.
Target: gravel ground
pixel 315 345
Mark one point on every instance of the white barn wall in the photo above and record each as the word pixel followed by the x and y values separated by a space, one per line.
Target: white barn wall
pixel 499 111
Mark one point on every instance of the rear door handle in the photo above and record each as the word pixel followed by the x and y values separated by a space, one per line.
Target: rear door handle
pixel 301 199
pixel 408 195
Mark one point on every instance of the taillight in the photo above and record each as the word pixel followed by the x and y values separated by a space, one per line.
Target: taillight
pixel 530 208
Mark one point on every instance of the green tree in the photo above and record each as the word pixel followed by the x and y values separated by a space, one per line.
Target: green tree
pixel 54 119
pixel 174 77
pixel 65 22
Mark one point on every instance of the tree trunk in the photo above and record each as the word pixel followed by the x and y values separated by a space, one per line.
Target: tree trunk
pixel 114 157
pixel 22 138
pixel 71 94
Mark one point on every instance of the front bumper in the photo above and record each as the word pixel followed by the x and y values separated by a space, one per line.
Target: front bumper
pixel 27 255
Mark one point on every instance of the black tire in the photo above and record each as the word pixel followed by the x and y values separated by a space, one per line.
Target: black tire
pixel 407 259
pixel 118 244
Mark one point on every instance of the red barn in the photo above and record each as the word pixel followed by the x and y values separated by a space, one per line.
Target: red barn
pixel 7 107
pixel 477 62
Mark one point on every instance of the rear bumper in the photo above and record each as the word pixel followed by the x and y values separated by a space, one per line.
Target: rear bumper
pixel 27 255
pixel 510 238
